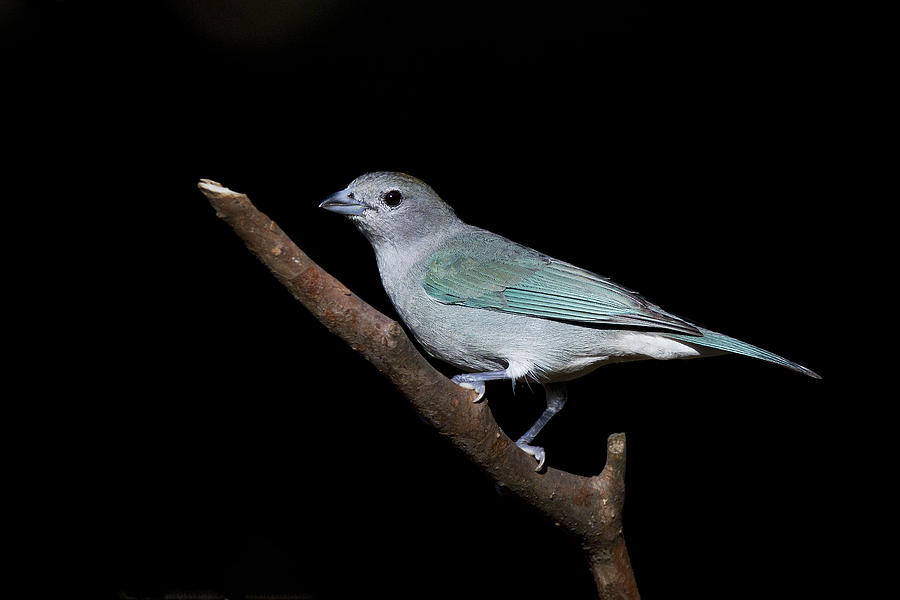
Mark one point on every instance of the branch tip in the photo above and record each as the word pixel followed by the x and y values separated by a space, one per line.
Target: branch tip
pixel 214 188
pixel 615 444
pixel 615 457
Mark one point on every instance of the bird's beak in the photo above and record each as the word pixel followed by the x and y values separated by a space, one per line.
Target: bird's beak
pixel 343 203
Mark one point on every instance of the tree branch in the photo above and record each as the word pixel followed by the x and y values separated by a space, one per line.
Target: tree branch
pixel 590 508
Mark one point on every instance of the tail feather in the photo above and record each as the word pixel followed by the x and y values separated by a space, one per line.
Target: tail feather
pixel 717 341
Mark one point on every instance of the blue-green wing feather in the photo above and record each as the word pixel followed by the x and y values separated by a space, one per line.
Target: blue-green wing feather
pixel 482 270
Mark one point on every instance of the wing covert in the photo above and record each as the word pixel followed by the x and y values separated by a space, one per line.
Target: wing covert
pixel 481 270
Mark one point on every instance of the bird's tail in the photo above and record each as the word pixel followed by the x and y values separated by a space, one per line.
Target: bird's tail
pixel 717 341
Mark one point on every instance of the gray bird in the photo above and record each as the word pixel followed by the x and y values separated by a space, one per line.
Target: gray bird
pixel 499 310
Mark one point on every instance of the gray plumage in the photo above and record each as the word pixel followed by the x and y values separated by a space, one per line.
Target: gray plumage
pixel 497 309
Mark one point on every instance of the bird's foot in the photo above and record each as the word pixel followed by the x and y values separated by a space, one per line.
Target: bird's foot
pixel 466 380
pixel 536 451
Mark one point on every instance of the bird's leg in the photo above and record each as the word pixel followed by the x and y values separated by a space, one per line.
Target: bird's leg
pixel 475 381
pixel 556 399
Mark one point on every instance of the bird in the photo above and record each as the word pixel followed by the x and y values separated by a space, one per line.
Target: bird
pixel 498 310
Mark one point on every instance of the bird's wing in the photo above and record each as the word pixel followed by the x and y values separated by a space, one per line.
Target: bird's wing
pixel 483 270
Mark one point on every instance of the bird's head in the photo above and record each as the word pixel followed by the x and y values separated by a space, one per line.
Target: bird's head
pixel 391 207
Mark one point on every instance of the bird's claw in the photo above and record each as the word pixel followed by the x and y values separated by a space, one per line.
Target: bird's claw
pixel 535 451
pixel 465 382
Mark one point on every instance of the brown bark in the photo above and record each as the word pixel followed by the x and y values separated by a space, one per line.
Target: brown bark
pixel 590 508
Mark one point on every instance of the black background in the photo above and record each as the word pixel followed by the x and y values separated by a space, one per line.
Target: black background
pixel 226 442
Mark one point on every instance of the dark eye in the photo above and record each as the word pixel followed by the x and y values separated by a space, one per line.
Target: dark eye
pixel 393 198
